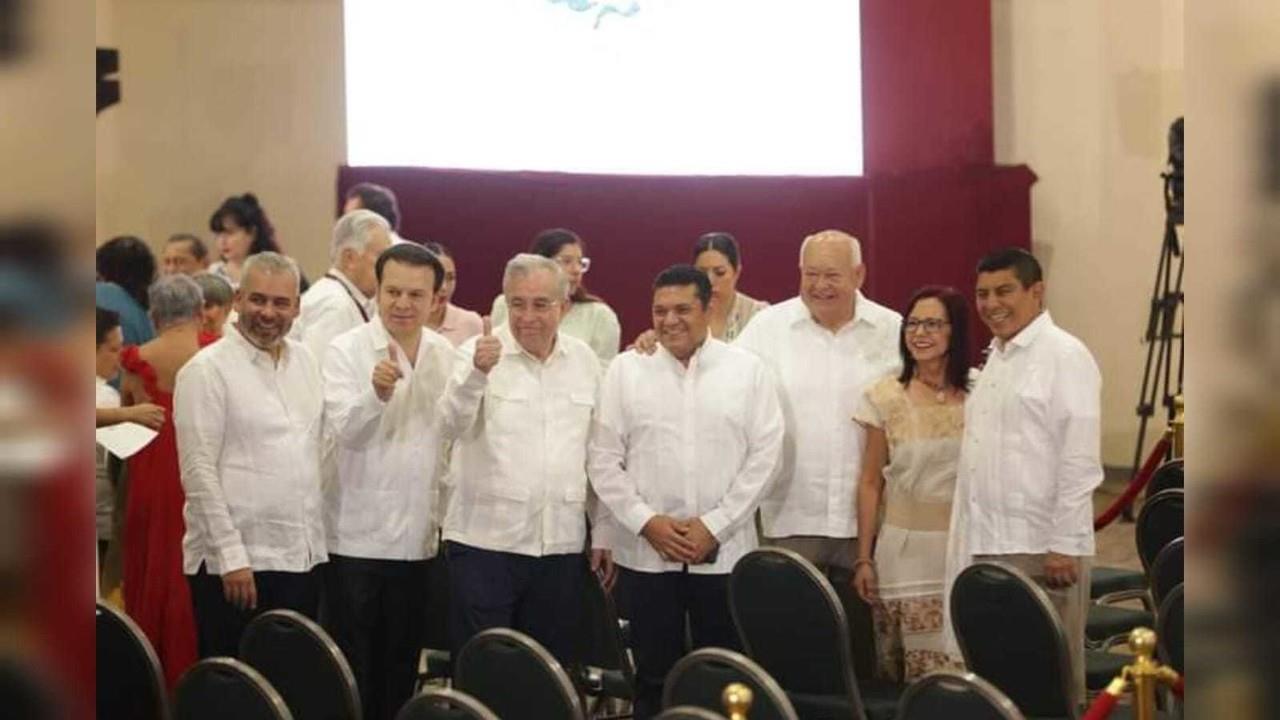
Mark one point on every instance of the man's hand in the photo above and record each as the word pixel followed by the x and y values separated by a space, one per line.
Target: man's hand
pixel 146 414
pixel 239 589
pixel 386 373
pixel 602 565
pixel 1061 571
pixel 667 536
pixel 866 583
pixel 704 542
pixel 646 343
pixel 488 348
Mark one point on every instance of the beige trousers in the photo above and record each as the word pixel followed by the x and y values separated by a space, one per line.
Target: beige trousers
pixel 1072 604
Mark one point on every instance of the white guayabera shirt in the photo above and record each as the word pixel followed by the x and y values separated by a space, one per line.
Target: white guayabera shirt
pixel 388 454
pixel 822 376
pixel 248 431
pixel 518 479
pixel 702 441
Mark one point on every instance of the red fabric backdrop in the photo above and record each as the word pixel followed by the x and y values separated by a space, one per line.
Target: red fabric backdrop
pixel 931 202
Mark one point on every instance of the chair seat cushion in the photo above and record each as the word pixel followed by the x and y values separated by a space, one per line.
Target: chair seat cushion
pixel 1105 580
pixel 1109 620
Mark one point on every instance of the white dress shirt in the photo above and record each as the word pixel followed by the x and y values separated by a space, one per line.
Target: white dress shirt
pixel 389 455
pixel 248 433
pixel 518 481
pixel 330 307
pixel 1029 460
pixel 702 441
pixel 594 323
pixel 822 376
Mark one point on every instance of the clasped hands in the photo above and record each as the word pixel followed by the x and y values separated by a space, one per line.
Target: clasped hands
pixel 684 541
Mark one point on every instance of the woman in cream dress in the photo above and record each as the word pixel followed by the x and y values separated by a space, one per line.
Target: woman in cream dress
pixel 914 423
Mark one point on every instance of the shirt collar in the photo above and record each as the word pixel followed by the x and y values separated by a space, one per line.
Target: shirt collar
pixel 382 338
pixel 1027 336
pixel 252 352
pixel 705 353
pixel 511 346
pixel 864 312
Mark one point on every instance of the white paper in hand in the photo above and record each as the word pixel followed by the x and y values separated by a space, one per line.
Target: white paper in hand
pixel 125 439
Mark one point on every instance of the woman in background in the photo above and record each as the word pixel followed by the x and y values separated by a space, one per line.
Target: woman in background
pixel 913 426
pixel 451 321
pixel 156 594
pixel 716 254
pixel 588 318
pixel 240 228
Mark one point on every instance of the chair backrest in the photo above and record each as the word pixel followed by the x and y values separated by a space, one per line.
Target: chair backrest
pixel 444 704
pixel 28 693
pixel 1010 634
pixel 957 696
pixel 1166 570
pixel 220 688
pixel 1168 475
pixel 791 622
pixel 515 677
pixel 601 646
pixel 700 678
pixel 303 664
pixel 1159 521
pixel 688 712
pixel 1169 618
pixel 130 683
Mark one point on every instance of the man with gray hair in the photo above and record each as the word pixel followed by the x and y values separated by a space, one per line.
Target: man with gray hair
pixel 342 298
pixel 519 408
pixel 248 416
pixel 825 347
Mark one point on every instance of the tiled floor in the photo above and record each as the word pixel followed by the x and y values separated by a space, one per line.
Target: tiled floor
pixel 1115 543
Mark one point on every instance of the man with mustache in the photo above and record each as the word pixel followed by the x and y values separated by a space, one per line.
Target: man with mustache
pixel 825 346
pixel 248 415
pixel 684 444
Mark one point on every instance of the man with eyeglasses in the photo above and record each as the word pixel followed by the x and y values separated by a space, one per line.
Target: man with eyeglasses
pixel 1030 458
pixel 519 409
pixel 825 347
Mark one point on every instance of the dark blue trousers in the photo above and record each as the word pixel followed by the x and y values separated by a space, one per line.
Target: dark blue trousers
pixel 659 604
pixel 535 595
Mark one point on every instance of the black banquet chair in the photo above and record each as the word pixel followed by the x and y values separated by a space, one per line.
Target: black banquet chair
pixel 791 622
pixel 604 668
pixel 515 677
pixel 1169 629
pixel 688 712
pixel 130 683
pixel 1166 477
pixel 444 704
pixel 220 688
pixel 955 696
pixel 1167 570
pixel 699 679
pixel 303 664
pixel 1011 636
pixel 1160 522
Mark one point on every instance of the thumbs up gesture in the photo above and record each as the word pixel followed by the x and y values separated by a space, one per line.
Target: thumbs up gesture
pixel 488 348
pixel 386 373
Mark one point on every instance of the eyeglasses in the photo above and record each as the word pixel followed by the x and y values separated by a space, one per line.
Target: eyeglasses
pixel 930 325
pixel 568 261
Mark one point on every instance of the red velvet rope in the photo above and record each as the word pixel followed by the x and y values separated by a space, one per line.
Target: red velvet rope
pixel 1101 707
pixel 1177 687
pixel 1138 482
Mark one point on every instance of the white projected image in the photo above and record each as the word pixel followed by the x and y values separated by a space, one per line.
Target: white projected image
pixel 662 87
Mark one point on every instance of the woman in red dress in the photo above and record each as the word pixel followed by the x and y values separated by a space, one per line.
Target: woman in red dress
pixel 156 594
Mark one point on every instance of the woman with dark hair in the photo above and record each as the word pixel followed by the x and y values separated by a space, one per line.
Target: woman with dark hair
pixel 913 425
pixel 716 254
pixel 451 321
pixel 126 268
pixel 589 319
pixel 241 228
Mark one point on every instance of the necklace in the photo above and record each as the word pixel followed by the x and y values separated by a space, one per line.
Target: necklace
pixel 939 390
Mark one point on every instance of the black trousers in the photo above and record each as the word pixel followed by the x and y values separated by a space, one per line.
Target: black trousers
pixel 658 605
pixel 375 611
pixel 498 589
pixel 219 624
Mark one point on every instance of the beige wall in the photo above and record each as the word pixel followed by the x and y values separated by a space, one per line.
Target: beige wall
pixel 1084 94
pixel 220 97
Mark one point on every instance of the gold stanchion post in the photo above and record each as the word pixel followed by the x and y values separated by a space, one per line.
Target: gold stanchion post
pixel 737 700
pixel 1144 672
